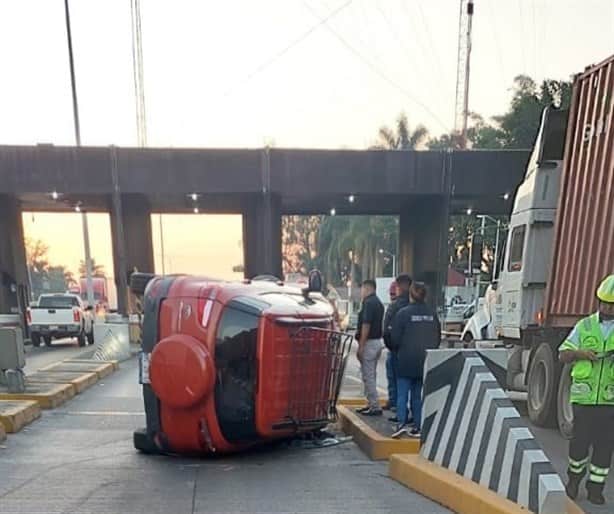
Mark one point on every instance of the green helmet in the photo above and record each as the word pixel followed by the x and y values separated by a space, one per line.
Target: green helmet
pixel 605 293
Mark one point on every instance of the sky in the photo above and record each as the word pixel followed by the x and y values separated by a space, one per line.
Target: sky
pixel 244 73
pixel 216 74
pixel 198 244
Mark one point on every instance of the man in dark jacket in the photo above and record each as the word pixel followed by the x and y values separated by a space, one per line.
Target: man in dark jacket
pixel 415 329
pixel 401 300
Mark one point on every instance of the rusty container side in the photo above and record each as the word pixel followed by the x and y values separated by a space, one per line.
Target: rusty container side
pixel 583 250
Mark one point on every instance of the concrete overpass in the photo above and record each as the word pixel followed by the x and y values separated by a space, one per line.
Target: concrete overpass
pixel 423 188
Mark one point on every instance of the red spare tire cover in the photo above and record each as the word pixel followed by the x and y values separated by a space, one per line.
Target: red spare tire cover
pixel 181 371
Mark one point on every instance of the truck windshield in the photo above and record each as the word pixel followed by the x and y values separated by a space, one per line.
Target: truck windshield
pixel 58 302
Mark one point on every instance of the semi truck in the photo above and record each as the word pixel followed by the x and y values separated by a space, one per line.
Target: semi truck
pixel 559 246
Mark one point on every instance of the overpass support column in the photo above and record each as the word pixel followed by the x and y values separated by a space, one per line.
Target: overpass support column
pixel 262 236
pixel 423 248
pixel 132 244
pixel 14 283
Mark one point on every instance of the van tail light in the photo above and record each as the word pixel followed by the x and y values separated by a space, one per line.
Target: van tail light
pixel 76 316
pixel 29 316
pixel 539 317
pixel 205 305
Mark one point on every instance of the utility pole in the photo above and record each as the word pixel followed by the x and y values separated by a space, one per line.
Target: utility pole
pixel 75 109
pixel 463 64
pixel 137 69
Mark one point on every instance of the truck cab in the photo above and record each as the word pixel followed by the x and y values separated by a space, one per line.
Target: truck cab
pixel 522 277
pixel 525 267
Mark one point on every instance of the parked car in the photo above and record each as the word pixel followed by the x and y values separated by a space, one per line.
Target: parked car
pixel 58 316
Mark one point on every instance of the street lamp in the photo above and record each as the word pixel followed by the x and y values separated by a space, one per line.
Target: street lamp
pixel 394 260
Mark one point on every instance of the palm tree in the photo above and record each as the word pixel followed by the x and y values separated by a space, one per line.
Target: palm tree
pixel 97 269
pixel 401 137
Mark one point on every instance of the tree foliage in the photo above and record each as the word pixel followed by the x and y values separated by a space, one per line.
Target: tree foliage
pixel 517 127
pixel 97 269
pixel 44 277
pixel 401 137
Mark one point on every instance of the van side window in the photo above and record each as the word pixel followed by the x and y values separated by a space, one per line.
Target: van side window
pixel 516 249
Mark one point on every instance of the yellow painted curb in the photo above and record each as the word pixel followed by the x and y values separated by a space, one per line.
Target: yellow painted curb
pixel 451 490
pixel 80 381
pixel 100 368
pixel 14 415
pixel 358 402
pixel 373 444
pixel 48 396
pixel 115 364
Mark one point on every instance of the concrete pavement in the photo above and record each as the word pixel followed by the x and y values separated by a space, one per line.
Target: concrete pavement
pixel 80 459
pixel 42 356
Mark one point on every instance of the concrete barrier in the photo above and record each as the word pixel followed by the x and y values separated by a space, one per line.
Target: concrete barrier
pixel 112 341
pixel 471 427
pixel 14 415
pixel 48 396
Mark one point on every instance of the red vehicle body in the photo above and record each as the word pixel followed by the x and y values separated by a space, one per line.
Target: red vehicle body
pixel 226 365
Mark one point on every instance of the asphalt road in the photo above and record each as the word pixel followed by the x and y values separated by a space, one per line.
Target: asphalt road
pixel 61 349
pixel 80 459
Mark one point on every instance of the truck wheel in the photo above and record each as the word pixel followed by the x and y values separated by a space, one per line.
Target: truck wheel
pixel 543 385
pixel 468 341
pixel 47 340
pixel 81 339
pixel 90 337
pixel 564 410
pixel 36 340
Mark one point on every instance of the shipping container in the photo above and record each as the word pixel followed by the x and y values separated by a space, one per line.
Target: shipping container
pixel 583 251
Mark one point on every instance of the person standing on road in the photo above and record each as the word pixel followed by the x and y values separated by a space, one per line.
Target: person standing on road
pixel 400 301
pixel 370 345
pixel 415 329
pixel 590 348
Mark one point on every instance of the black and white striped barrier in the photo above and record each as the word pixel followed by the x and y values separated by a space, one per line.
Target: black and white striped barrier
pixel 471 427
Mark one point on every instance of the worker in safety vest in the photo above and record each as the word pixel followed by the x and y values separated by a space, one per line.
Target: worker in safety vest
pixel 590 348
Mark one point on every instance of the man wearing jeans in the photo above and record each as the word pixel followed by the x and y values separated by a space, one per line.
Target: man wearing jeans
pixel 415 329
pixel 370 345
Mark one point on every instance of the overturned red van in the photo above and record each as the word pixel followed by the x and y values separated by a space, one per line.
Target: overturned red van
pixel 228 365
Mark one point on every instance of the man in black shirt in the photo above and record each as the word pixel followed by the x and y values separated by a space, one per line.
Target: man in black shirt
pixel 370 345
pixel 403 281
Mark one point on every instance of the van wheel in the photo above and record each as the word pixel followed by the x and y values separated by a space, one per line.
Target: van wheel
pixel 543 385
pixel 564 409
pixel 36 340
pixel 47 340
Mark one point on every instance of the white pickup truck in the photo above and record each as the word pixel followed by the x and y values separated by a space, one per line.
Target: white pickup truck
pixel 57 316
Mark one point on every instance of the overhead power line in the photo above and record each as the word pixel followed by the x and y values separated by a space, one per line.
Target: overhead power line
pixel 289 47
pixel 375 69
